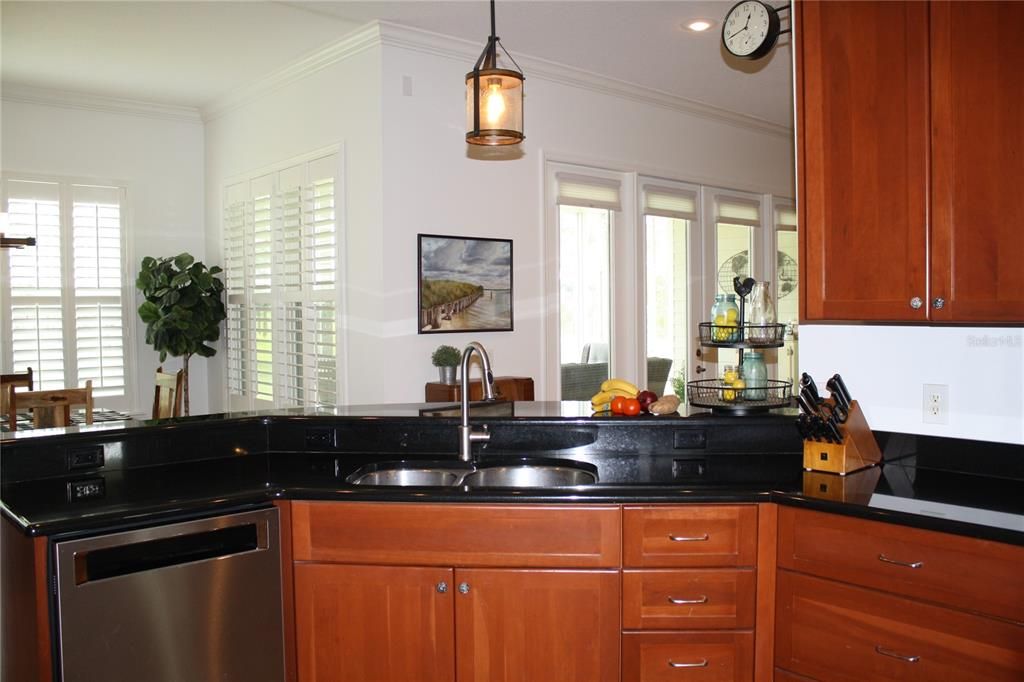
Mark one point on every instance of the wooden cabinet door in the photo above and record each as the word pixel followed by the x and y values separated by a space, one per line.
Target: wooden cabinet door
pixel 531 625
pixel 863 145
pixel 977 243
pixel 379 623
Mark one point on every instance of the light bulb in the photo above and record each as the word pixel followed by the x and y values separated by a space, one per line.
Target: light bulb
pixel 495 102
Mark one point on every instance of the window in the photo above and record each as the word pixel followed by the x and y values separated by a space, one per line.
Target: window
pixel 787 295
pixel 587 206
pixel 281 243
pixel 64 299
pixel 670 216
pixel 637 262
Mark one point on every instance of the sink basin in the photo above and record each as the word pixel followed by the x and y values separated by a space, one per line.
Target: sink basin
pixel 507 472
pixel 529 476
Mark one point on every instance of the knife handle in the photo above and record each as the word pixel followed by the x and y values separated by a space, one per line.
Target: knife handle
pixel 807 384
pixel 805 406
pixel 837 388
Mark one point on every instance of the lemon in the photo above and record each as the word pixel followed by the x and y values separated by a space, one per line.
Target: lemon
pixel 738 385
pixel 732 314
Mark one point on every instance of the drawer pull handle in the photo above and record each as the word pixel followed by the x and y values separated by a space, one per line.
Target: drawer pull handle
pixel 912 564
pixel 892 654
pixel 703 599
pixel 702 663
pixel 684 538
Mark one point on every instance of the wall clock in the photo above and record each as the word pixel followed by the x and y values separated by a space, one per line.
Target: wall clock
pixel 751 28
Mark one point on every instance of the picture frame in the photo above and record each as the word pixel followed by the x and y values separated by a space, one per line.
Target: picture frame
pixel 464 284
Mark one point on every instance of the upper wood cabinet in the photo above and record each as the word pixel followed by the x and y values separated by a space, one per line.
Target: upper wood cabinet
pixel 910 155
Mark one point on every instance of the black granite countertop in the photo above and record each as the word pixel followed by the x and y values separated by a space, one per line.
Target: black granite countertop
pixel 161 472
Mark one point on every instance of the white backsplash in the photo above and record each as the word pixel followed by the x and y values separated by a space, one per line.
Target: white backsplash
pixel 885 368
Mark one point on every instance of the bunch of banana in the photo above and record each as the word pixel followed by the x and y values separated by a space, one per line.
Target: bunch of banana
pixel 611 389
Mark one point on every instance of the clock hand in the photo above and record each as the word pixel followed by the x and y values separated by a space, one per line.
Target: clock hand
pixel 737 33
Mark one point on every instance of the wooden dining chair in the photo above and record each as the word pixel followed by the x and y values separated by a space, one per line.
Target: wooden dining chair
pixel 10 382
pixel 167 396
pixel 49 408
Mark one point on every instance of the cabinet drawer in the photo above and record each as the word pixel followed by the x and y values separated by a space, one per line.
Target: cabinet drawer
pixel 703 656
pixel 839 632
pixel 692 536
pixel 457 534
pixel 688 599
pixel 976 575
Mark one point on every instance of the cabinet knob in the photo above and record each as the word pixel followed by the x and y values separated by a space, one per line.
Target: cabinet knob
pixel 700 369
pixel 464 588
pixel 938 303
pixel 916 302
pixel 442 587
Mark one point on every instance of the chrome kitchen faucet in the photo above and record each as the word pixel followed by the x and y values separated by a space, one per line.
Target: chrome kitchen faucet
pixel 468 436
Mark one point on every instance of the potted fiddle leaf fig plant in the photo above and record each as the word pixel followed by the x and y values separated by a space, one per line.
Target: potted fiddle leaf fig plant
pixel 184 308
pixel 446 359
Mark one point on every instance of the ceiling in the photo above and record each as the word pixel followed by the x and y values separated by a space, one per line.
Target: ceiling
pixel 190 53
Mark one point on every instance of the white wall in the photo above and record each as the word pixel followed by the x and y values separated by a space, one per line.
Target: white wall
pixel 161 161
pixel 407 172
pixel 885 369
pixel 432 186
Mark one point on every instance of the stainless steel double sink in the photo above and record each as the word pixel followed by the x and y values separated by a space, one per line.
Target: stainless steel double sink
pixel 510 472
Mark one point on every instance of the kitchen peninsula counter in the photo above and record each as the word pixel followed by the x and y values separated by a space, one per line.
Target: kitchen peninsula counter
pixel 161 471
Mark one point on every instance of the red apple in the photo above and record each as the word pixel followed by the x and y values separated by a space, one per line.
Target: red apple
pixel 646 398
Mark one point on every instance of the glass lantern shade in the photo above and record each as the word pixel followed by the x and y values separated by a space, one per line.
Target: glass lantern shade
pixel 495 115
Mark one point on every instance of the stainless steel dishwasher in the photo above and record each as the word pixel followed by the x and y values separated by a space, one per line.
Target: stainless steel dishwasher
pixel 196 601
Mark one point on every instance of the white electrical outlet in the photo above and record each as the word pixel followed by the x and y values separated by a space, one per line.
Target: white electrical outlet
pixel 936 404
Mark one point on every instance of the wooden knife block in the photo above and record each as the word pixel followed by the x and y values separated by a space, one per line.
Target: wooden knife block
pixel 858 450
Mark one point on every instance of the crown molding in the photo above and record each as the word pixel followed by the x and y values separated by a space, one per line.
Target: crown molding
pixel 352 44
pixel 427 42
pixel 67 99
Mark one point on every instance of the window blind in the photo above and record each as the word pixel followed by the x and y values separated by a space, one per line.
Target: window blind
pixel 65 308
pixel 587 191
pixel 737 211
pixel 670 202
pixel 280 246
pixel 785 216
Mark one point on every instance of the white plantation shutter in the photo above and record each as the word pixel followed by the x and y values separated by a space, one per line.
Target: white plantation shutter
pixel 64 307
pixel 280 244
pixel 99 328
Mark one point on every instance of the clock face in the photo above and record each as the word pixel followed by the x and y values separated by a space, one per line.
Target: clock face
pixel 746 28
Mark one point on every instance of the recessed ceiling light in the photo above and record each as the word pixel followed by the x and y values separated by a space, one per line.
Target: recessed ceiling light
pixel 698 25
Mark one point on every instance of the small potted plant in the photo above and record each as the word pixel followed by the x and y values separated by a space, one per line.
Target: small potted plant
pixel 446 359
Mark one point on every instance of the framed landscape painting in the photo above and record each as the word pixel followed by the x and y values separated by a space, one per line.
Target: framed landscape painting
pixel 465 284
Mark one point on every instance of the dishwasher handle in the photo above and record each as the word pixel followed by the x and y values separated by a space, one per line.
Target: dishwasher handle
pixel 148 555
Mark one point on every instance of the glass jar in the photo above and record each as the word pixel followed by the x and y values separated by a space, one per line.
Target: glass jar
pixel 729 377
pixel 755 375
pixel 725 319
pixel 760 315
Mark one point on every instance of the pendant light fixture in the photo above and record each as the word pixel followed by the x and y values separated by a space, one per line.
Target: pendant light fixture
pixel 494 97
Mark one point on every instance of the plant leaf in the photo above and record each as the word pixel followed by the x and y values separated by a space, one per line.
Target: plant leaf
pixel 183 260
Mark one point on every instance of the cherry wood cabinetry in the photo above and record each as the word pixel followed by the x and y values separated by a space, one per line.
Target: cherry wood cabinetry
pixel 489 593
pixel 835 631
pixel 909 159
pixel 966 573
pixel 689 592
pixel 527 625
pixel 977 160
pixel 359 623
pixel 863 600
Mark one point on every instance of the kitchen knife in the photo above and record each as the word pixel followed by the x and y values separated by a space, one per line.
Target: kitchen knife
pixel 833 433
pixel 839 414
pixel 807 383
pixel 837 388
pixel 806 405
